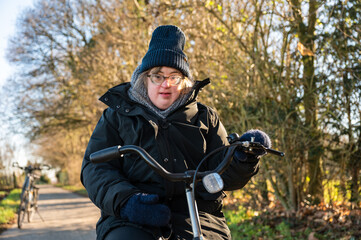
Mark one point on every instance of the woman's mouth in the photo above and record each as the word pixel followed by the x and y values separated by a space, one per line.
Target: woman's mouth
pixel 165 94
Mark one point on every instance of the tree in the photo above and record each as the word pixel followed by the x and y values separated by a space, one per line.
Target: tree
pixel 265 60
pixel 343 44
pixel 69 52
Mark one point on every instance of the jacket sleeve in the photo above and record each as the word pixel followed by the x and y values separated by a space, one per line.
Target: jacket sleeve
pixel 107 187
pixel 240 171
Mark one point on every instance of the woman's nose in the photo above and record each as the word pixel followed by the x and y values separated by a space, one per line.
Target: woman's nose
pixel 165 83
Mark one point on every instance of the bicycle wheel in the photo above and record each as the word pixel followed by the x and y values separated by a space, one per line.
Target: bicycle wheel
pixel 22 208
pixel 30 208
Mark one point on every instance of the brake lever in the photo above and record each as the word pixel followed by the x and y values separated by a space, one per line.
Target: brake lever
pixel 248 146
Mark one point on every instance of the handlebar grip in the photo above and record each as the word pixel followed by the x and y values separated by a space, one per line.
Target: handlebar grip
pixel 105 155
pixel 275 152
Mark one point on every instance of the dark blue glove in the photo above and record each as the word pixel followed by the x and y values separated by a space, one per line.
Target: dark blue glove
pixel 259 136
pixel 144 209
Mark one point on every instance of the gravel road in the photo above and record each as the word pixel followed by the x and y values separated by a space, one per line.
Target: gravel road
pixel 66 216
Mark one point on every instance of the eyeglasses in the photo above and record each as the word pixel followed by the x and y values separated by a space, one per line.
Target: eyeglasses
pixel 158 79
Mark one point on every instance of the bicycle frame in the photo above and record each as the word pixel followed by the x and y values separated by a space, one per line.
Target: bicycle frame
pixel 190 177
pixel 193 213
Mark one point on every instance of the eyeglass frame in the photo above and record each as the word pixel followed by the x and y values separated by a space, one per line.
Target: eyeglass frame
pixel 164 78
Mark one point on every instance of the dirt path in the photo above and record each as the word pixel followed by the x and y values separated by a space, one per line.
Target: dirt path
pixel 66 216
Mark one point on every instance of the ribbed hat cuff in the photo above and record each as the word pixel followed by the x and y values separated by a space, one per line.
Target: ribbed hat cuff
pixel 165 57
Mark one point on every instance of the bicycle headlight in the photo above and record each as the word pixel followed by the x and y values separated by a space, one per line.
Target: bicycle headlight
pixel 213 182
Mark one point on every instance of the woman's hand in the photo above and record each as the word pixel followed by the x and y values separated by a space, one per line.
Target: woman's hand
pixel 144 209
pixel 253 135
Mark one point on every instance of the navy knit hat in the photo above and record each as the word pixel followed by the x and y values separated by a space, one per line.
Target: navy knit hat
pixel 166 49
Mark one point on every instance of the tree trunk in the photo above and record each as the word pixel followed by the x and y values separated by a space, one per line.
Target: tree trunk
pixel 306 35
pixel 354 168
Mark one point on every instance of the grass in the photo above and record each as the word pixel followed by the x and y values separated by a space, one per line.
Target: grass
pixel 3 194
pixel 9 206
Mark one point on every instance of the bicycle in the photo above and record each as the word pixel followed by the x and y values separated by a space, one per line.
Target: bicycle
pixel 212 180
pixel 30 193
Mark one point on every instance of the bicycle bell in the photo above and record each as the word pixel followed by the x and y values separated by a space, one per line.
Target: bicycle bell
pixel 213 182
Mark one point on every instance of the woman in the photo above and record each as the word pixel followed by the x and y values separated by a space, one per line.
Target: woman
pixel 158 111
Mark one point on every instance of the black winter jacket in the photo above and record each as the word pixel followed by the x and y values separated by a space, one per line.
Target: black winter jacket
pixel 178 142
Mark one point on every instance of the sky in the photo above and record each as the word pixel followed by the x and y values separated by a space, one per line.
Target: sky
pixel 9 11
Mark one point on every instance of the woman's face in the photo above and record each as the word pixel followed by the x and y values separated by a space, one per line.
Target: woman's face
pixel 165 94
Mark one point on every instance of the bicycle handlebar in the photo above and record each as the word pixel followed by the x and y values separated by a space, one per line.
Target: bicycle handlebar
pixel 110 153
pixel 31 168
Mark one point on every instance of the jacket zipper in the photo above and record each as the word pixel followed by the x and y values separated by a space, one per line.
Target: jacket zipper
pixel 168 156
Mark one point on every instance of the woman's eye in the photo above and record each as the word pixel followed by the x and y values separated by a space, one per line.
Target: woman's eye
pixel 157 77
pixel 174 78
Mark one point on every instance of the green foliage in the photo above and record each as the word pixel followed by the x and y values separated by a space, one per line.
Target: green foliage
pixel 63 177
pixel 245 226
pixel 334 192
pixel 6 181
pixel 44 179
pixel 243 229
pixel 9 206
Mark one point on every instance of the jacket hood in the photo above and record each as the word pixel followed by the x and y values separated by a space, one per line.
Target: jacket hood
pixel 118 98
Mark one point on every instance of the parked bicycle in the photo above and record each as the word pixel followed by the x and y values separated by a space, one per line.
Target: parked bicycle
pixel 212 180
pixel 30 193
